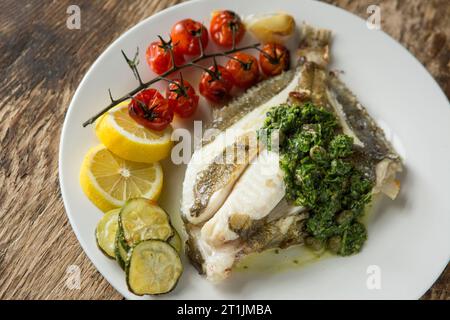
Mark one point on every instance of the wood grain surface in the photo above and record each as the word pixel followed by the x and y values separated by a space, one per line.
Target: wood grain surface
pixel 42 63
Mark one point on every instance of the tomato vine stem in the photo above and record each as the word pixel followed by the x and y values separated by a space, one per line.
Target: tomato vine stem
pixel 132 63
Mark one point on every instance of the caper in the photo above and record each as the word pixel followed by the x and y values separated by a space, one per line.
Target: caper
pixel 314 243
pixel 344 217
pixel 334 244
pixel 317 153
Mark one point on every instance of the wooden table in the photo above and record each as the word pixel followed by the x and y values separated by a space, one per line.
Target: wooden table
pixel 42 63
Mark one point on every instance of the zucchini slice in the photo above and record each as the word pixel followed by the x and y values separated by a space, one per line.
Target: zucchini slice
pixel 141 219
pixel 154 268
pixel 121 253
pixel 175 241
pixel 105 233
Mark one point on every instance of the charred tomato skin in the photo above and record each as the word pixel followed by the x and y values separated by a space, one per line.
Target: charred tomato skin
pixel 216 89
pixel 185 102
pixel 151 110
pixel 274 59
pixel 158 58
pixel 221 28
pixel 244 70
pixel 185 34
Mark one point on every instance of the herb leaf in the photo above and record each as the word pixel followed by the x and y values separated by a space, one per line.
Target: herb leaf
pixel 319 174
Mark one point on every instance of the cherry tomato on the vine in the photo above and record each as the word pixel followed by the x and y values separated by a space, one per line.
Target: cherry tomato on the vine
pixel 185 34
pixel 216 84
pixel 184 97
pixel 274 59
pixel 244 69
pixel 222 25
pixel 150 109
pixel 158 57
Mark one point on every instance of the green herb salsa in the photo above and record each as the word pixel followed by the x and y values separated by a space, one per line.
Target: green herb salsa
pixel 319 175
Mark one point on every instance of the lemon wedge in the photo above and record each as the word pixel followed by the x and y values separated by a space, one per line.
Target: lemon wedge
pixel 109 181
pixel 130 140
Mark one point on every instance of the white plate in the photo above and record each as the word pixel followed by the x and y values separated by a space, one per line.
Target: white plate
pixel 409 239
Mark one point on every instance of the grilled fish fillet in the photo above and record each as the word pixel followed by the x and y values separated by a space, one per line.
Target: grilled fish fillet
pixel 217 262
pixel 234 209
pixel 254 196
pixel 208 179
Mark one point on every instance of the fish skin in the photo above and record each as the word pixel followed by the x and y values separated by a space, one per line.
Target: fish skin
pixel 315 45
pixel 216 263
pixel 280 233
pixel 255 96
pixel 214 183
pixel 253 227
pixel 374 154
pixel 312 86
pixel 360 122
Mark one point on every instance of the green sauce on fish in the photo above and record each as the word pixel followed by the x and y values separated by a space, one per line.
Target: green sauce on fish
pixel 319 175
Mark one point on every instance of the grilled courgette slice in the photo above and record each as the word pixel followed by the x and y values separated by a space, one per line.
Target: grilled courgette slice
pixel 154 267
pixel 175 241
pixel 141 219
pixel 121 250
pixel 105 233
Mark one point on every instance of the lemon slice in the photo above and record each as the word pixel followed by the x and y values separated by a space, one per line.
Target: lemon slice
pixel 109 181
pixel 130 140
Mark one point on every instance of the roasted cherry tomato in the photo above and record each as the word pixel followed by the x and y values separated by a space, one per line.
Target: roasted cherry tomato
pixel 150 109
pixel 274 59
pixel 184 97
pixel 158 57
pixel 185 34
pixel 216 84
pixel 244 69
pixel 222 25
